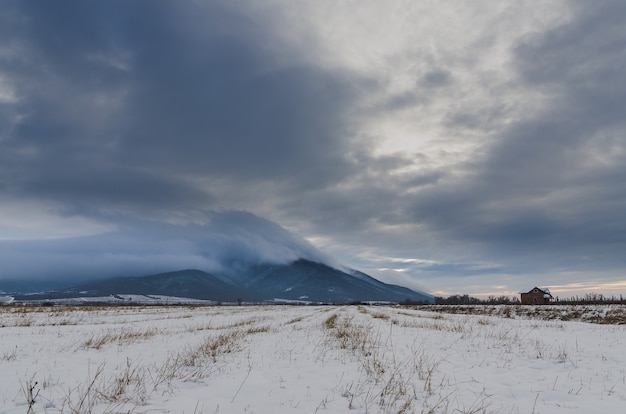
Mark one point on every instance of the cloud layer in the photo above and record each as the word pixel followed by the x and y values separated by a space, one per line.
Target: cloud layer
pixel 476 148
pixel 226 241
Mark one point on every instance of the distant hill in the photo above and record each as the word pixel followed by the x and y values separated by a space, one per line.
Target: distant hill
pixel 301 280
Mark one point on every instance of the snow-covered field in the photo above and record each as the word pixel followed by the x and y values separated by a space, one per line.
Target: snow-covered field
pixel 291 359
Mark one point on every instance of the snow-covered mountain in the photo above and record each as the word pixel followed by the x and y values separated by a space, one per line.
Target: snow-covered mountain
pixel 301 280
pixel 237 254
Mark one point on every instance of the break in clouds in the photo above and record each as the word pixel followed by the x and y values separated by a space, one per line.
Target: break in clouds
pixel 473 147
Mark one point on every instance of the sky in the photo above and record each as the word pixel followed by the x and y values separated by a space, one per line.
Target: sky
pixel 459 147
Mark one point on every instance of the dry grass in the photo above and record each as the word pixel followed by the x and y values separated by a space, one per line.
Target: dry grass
pixel 295 320
pixel 600 314
pixel 132 384
pixel 9 355
pixel 120 337
pixel 390 384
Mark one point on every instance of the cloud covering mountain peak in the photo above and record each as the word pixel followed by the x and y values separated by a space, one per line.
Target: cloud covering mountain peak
pixel 224 240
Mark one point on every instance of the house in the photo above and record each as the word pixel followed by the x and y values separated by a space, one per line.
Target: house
pixel 536 296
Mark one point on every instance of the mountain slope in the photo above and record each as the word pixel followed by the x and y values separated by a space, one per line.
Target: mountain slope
pixel 185 283
pixel 318 282
pixel 301 280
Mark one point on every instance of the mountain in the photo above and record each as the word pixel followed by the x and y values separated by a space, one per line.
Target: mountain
pixel 258 261
pixel 188 283
pixel 301 280
pixel 318 282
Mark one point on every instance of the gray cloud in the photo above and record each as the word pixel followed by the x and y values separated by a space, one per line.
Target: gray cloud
pixel 129 103
pixel 435 79
pixel 545 195
pixel 551 186
pixel 163 111
pixel 225 240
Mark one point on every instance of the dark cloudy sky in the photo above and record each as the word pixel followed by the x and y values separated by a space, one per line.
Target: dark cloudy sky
pixel 467 147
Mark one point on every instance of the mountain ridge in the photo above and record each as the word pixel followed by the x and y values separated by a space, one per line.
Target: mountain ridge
pixel 300 280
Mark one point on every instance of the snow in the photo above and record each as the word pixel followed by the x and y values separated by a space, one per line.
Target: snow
pixel 118 299
pixel 5 300
pixel 304 359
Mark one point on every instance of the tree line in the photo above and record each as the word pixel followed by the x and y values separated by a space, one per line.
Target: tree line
pixel 587 299
pixel 470 300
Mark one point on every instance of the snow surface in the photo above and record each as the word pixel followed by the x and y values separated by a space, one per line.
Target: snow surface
pixel 5 300
pixel 304 359
pixel 121 299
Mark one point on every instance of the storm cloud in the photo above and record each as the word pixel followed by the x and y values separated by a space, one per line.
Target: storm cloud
pixel 461 148
pixel 126 105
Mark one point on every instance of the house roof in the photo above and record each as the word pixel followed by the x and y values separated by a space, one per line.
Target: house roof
pixel 545 291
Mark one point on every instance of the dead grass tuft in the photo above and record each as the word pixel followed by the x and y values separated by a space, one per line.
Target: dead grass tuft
pixel 121 337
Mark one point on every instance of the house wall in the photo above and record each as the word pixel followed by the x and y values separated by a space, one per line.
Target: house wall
pixel 533 298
